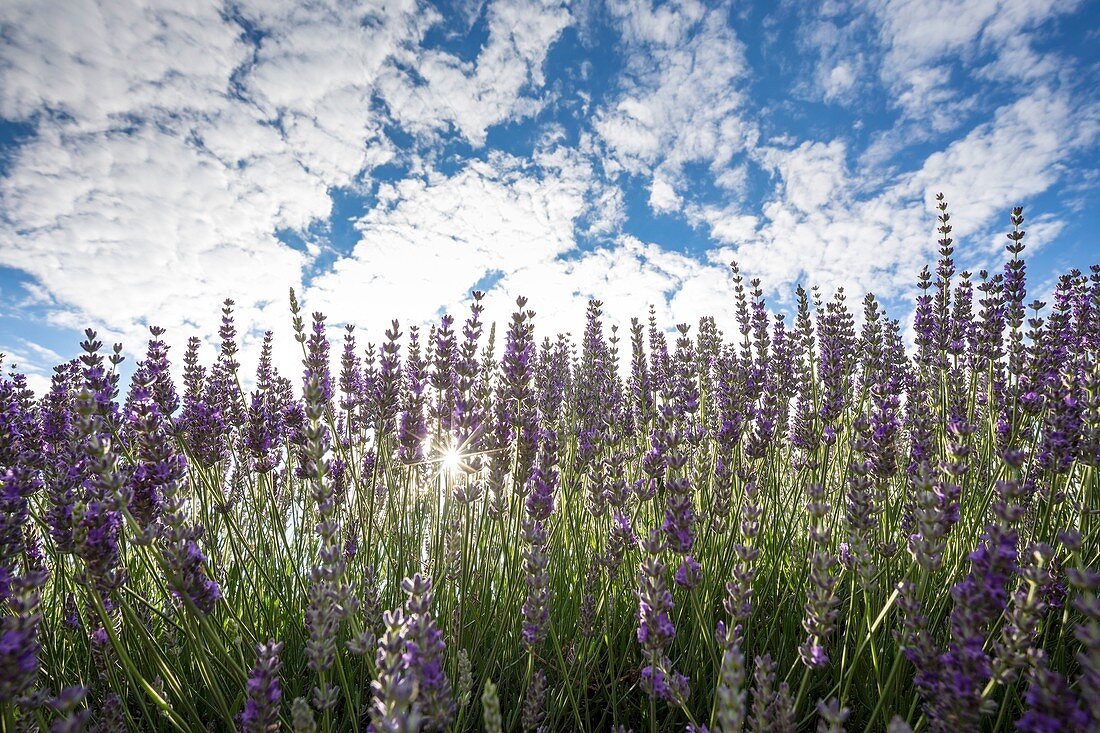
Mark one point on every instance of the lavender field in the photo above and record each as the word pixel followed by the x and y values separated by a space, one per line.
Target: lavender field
pixel 801 525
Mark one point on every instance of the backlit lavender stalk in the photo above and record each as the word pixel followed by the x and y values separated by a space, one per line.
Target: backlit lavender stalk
pixel 395 708
pixel 519 406
pixel 177 537
pixel 413 427
pixel 263 431
pixel 587 620
pixel 424 655
pixel 153 373
pixel 738 601
pixel 263 693
pixel 643 402
pixel 595 392
pixel 468 415
pixel 301 717
pixel 1051 706
pixel 1015 293
pixel 536 607
pixel 1086 582
pixel 158 463
pixel 64 464
pixel 655 628
pixel 836 334
pixel 354 399
pixel 821 601
pixel 543 481
pixel 224 374
pixel 490 706
pixel 730 695
pixel 443 379
pixel 860 510
pixel 330 597
pixel 97 515
pixel 954 688
pixel 679 521
pixel 387 386
pixel 832 716
pixel 933 514
pixel 1025 613
pixel 201 422
pixel 553 377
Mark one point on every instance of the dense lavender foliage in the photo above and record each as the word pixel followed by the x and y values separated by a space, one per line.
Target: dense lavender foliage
pixel 799 526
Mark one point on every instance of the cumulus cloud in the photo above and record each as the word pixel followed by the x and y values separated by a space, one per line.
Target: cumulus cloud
pixel 430 240
pixel 174 141
pixel 627 276
pixel 680 99
pixel 922 41
pixel 431 88
pixel 821 231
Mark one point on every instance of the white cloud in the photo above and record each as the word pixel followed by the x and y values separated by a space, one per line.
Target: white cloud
pixel 171 146
pixel 812 174
pixel 662 196
pixel 821 229
pixel 430 240
pixel 93 60
pixel 680 99
pixel 1022 151
pixel 921 39
pixel 839 81
pixel 839 65
pixel 627 275
pixel 174 140
pixel 436 88
pixel 516 220
pixel 33 361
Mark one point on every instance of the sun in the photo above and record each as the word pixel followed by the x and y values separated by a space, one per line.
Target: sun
pixel 452 459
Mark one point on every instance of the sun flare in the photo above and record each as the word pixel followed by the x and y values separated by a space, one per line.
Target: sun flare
pixel 452 459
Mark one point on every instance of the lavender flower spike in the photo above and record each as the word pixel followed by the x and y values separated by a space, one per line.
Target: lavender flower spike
pixel 261 708
pixel 424 652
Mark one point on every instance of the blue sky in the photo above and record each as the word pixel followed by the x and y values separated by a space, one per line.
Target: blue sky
pixel 386 158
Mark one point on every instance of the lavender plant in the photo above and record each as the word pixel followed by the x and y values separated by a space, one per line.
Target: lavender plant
pixel 822 529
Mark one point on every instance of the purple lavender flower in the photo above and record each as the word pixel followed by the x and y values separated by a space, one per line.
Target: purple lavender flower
pixel 730 695
pixel 953 685
pixel 519 416
pixel 655 627
pixel 536 607
pixel 772 707
pixel 424 654
pixel 821 600
pixel 21 593
pixel 832 716
pixel 264 694
pixel 689 574
pixel 395 707
pixel 263 432
pixel 544 477
pixel 413 429
pixel 1051 707
pixel 164 470
pixel 158 464
pixel 387 387
pixel 19 645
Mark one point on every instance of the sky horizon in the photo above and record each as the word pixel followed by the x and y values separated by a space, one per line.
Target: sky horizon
pixel 385 159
